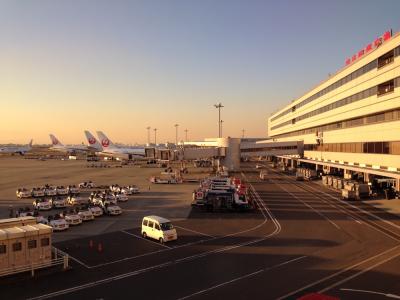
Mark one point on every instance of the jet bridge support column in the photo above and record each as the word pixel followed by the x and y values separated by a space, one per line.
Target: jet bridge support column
pixel 231 161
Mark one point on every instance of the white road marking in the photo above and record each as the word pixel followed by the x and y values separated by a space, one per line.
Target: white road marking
pixel 373 292
pixel 241 277
pixel 148 240
pixel 173 262
pixel 309 206
pixel 194 231
pixel 360 273
pixel 149 253
pixel 345 211
pixel 360 209
pixel 337 273
pixel 355 220
pixel 366 223
pixel 222 284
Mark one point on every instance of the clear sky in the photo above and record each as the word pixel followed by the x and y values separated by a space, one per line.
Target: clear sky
pixel 120 66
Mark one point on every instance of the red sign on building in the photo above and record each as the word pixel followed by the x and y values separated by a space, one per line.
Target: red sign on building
pixel 378 41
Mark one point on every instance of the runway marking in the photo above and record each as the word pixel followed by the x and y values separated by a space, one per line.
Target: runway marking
pixel 240 278
pixel 222 284
pixel 155 267
pixel 309 206
pixel 337 273
pixel 174 262
pixel 373 292
pixel 351 213
pixel 148 240
pixel 355 220
pixel 194 231
pixel 359 273
pixel 360 209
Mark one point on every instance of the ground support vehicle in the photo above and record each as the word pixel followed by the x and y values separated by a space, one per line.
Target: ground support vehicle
pixel 348 195
pixel 120 197
pixel 50 191
pixel 86 214
pixel 73 190
pixel 61 190
pixel 86 185
pixel 37 192
pixel 58 223
pixel 77 200
pixel 72 218
pixel 96 210
pixel 23 193
pixel 43 204
pixel 160 180
pixel 115 188
pixel 111 209
pixel 158 228
pixel 60 202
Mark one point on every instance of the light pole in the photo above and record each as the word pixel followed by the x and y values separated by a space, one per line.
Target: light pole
pixel 243 133
pixel 186 131
pixel 221 127
pixel 219 106
pixel 155 136
pixel 148 134
pixel 176 134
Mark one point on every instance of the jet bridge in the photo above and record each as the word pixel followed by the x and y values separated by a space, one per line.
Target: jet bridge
pixel 272 148
pixel 227 151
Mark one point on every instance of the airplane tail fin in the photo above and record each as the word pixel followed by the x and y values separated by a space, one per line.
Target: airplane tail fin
pixel 104 140
pixel 93 142
pixel 55 141
pixel 30 143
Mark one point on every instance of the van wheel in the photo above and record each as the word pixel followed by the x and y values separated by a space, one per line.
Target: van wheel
pixel 144 235
pixel 161 241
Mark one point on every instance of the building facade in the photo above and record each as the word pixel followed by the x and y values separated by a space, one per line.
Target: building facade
pixel 352 119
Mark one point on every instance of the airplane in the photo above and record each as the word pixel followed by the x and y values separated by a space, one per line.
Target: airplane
pixel 16 149
pixel 93 142
pixel 58 146
pixel 125 153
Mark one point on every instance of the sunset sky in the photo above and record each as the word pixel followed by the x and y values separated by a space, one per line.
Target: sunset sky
pixel 120 66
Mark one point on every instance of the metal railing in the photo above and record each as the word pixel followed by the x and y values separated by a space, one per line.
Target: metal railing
pixel 60 258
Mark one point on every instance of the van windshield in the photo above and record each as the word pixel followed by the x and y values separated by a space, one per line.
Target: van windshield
pixel 166 226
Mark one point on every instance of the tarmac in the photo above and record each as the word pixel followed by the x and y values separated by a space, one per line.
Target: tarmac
pixel 167 200
pixel 301 239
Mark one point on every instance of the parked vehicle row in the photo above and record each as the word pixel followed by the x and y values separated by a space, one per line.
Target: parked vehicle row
pixel 47 190
pixel 71 217
pixel 71 190
pixel 127 190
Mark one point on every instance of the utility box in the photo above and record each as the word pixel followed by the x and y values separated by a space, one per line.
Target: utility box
pixel 24 245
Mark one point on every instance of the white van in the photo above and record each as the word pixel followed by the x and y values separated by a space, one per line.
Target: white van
pixel 159 229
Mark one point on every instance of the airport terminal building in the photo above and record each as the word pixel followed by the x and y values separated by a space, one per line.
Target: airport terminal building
pixel 351 121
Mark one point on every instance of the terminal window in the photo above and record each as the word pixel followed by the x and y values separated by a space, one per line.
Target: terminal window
pixel 45 242
pixel 32 244
pixel 386 87
pixel 386 59
pixel 17 247
pixel 3 249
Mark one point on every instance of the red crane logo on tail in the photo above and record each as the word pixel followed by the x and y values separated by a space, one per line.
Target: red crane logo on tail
pixel 92 141
pixel 105 142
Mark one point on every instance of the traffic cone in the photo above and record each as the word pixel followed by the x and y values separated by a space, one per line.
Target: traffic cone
pixel 100 248
pixel 91 244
